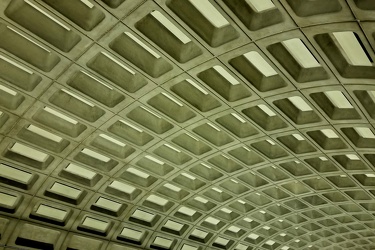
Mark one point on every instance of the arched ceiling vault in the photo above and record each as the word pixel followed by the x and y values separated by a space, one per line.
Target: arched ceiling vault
pixel 187 124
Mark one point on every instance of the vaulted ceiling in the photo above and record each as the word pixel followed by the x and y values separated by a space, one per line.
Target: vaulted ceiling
pixel 187 124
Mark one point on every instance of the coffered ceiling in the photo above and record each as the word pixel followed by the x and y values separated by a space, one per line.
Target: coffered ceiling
pixel 187 124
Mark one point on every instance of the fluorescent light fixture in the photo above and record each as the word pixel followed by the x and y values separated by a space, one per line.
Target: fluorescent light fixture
pixel 352 157
pixel 8 90
pixel 37 44
pixel 212 220
pixel 16 65
pixel 258 61
pixel 352 48
pixel 253 236
pixel 364 132
pixel 338 99
pixel 172 187
pixel 329 133
pixel 299 103
pixel 48 211
pixel 217 190
pixel 108 204
pixel 157 200
pixel 210 13
pixel 65 190
pixel 266 110
pixel 221 241
pixel 234 229
pixel 132 234
pixel 199 233
pixel 95 155
pixel 173 148
pixel 151 112
pixel 163 242
pixel 14 174
pixel 270 242
pixel 142 215
pixel 88 3
pixel 172 99
pixel 80 171
pixel 143 45
pixel 113 140
pixel 188 176
pixel 77 97
pixel 28 152
pixel 117 62
pixel 226 210
pixel 173 225
pixel 170 26
pixel 44 133
pixel 201 200
pixel 271 142
pixel 298 137
pixel 60 115
pixel 213 126
pixel 242 120
pixel 7 199
pixel 187 211
pixel 131 125
pixel 137 173
pixel 154 160
pixel 300 52
pixel 122 187
pixel 97 80
pixel 47 15
pixel 260 5
pixel 226 75
pixel 195 85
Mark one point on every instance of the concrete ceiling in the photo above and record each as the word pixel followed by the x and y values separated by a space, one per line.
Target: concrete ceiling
pixel 187 124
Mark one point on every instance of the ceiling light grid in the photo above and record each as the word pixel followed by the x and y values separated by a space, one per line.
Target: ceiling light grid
pixel 134 125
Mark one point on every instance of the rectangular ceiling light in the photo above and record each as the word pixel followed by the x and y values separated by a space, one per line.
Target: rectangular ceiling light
pixel 66 191
pixel 58 114
pixel 300 53
pixel 157 200
pixel 170 26
pixel 78 97
pixel 260 5
pixel 7 199
pixel 112 205
pixel 299 103
pixel 210 13
pixel 95 155
pixel 14 174
pixel 338 99
pixel 329 133
pixel 44 133
pixel 258 61
pixel 266 110
pixel 352 48
pixel 29 152
pixel 8 90
pixel 117 62
pixel 47 15
pixel 80 171
pixel 16 65
pixel 364 132
pixel 226 75
pixel 113 140
pixel 122 187
pixel 143 45
pixel 95 223
pixel 47 211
